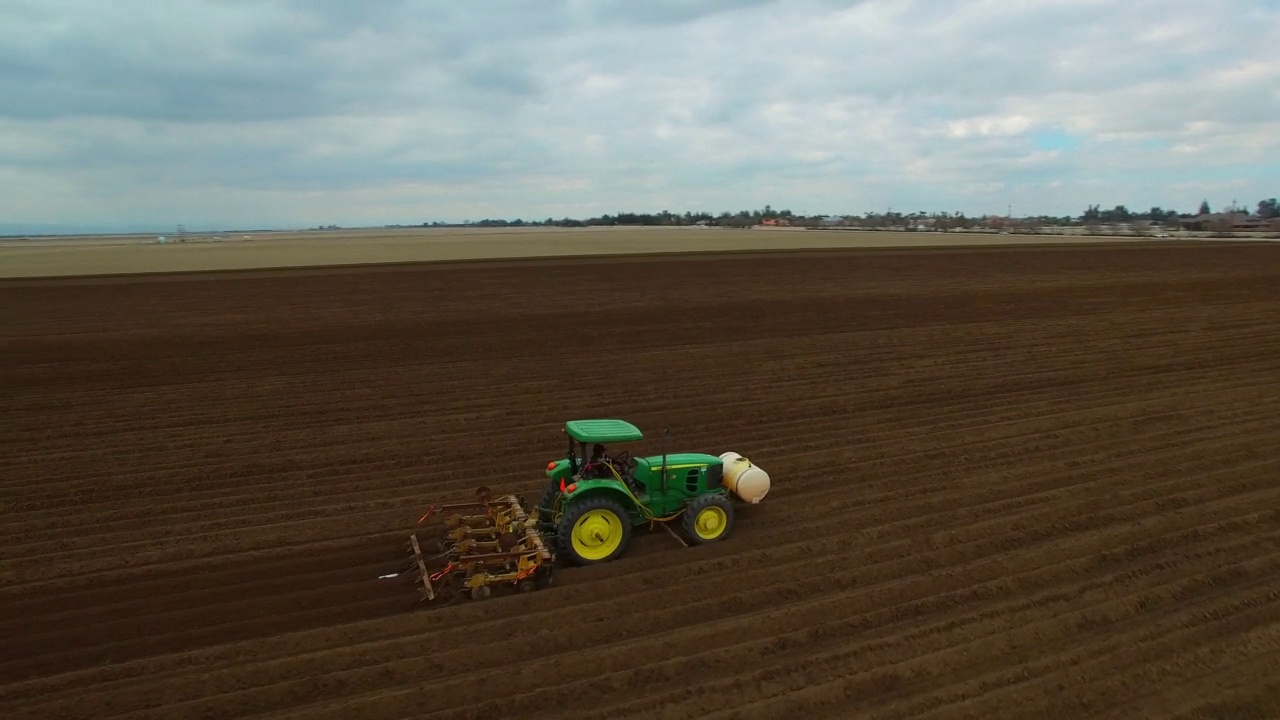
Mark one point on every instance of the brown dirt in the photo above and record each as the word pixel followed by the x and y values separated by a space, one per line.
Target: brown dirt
pixel 1008 482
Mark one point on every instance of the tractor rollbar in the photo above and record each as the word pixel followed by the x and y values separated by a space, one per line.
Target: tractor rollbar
pixel 573 459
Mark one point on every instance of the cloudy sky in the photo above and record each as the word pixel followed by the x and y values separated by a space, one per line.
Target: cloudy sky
pixel 250 113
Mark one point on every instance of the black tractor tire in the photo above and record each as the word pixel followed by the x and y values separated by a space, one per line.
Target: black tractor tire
pixel 717 507
pixel 564 532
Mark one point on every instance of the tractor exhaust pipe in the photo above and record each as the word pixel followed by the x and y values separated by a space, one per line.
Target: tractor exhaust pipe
pixel 665 434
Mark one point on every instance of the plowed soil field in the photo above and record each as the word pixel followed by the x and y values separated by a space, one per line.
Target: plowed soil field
pixel 1008 482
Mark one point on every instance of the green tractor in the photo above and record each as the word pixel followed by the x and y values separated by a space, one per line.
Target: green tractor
pixel 593 501
pixel 587 514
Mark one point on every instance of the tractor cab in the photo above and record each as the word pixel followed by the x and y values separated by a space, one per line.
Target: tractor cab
pixel 591 433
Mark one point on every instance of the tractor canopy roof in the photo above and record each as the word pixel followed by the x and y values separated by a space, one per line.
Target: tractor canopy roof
pixel 602 431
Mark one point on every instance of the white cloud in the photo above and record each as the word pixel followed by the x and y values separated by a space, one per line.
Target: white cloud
pixel 303 113
pixel 999 126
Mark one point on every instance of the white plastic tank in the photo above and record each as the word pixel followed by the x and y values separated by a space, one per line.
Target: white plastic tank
pixel 743 478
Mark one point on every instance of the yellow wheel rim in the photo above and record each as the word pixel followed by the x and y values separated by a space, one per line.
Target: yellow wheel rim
pixel 597 534
pixel 711 523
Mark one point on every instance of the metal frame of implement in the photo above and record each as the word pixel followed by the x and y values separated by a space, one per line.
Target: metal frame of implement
pixel 497 545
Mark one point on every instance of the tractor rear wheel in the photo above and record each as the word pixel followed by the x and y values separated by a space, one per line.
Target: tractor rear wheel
pixel 707 519
pixel 594 530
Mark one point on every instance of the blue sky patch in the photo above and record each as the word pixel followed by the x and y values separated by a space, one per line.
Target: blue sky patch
pixel 1054 139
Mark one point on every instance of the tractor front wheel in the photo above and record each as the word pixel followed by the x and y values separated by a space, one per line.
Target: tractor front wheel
pixel 594 530
pixel 707 519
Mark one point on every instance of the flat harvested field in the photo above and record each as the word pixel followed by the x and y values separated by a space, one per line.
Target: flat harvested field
pixel 240 251
pixel 1008 482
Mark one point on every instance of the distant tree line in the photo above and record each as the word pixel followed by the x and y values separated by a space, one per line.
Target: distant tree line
pixel 1266 210
pixel 664 218
pixel 1093 215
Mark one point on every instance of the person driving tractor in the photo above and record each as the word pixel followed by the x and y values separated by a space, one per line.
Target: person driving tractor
pixel 598 465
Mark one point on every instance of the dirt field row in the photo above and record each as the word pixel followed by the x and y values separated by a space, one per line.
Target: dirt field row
pixel 1008 482
pixel 98 255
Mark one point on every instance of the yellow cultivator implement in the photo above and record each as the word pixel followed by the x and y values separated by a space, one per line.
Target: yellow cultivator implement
pixel 479 545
